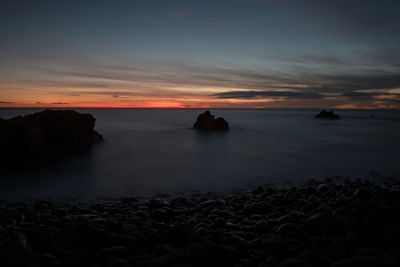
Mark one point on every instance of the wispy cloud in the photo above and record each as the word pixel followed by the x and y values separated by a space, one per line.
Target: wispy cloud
pixel 176 80
pixel 269 94
pixel 370 95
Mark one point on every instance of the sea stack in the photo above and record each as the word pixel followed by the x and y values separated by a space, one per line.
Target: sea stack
pixel 327 115
pixel 206 121
pixel 45 136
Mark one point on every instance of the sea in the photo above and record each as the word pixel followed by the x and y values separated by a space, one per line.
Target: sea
pixel 153 151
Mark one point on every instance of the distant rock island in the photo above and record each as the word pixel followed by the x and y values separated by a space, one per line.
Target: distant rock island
pixel 328 115
pixel 206 121
pixel 45 136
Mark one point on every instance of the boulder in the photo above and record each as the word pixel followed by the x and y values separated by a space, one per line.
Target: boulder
pixel 45 136
pixel 329 115
pixel 206 121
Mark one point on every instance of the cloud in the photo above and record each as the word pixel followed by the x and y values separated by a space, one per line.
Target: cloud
pixel 250 84
pixel 6 102
pixel 59 103
pixel 372 95
pixel 99 75
pixel 84 63
pixel 268 94
pixel 171 79
pixel 360 95
pixel 349 83
pixel 313 59
pixel 390 101
pixel 384 56
pixel 378 57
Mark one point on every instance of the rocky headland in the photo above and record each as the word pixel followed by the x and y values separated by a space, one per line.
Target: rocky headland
pixel 318 223
pixel 45 136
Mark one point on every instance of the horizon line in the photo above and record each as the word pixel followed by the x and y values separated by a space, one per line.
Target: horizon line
pixel 313 108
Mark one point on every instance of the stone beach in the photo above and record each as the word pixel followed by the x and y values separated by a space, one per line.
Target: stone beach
pixel 334 222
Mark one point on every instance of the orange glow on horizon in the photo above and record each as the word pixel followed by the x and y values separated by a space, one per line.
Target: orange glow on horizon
pixel 34 96
pixel 185 103
pixel 133 104
pixel 353 106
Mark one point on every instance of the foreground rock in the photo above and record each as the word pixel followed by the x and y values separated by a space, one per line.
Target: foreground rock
pixel 325 223
pixel 206 121
pixel 329 115
pixel 45 136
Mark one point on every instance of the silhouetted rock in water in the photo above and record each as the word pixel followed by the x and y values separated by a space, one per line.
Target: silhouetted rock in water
pixel 45 136
pixel 329 115
pixel 206 121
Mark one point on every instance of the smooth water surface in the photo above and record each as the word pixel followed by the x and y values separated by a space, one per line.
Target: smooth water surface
pixel 148 151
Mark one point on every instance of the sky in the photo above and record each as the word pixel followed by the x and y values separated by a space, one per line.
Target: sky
pixel 200 53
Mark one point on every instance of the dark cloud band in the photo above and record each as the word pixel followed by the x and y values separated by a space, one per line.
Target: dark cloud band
pixel 268 94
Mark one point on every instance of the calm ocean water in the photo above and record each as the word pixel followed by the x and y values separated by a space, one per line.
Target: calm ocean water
pixel 149 151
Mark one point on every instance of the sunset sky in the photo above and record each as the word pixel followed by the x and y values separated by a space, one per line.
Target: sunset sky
pixel 199 53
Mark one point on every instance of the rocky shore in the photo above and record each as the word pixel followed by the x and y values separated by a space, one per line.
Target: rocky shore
pixel 318 223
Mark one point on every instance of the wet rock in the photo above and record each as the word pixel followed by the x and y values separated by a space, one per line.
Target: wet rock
pixel 252 208
pixel 40 240
pixel 162 215
pixel 258 190
pixel 118 251
pixel 156 203
pixel 314 222
pixel 17 242
pixel 180 201
pixel 9 223
pixel 394 194
pixel 118 263
pixel 176 234
pixel 212 254
pixel 262 225
pixel 48 259
pixel 110 239
pixel 162 258
pixel 206 121
pixel 323 187
pixel 284 219
pixel 363 194
pixel 14 260
pixel 365 261
pixel 294 263
pixel 288 229
pixel 129 200
pixel 354 223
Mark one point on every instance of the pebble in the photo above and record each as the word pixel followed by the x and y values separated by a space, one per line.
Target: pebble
pixel 322 223
pixel 258 190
